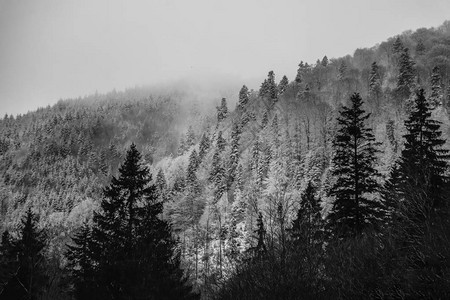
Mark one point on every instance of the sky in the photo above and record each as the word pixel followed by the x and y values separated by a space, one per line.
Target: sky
pixel 57 49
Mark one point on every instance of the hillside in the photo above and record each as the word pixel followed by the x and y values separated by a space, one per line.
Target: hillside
pixel 218 167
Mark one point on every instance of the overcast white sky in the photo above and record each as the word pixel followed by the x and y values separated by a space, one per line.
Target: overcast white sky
pixel 52 49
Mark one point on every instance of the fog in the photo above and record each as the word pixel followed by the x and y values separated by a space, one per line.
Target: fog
pixel 52 49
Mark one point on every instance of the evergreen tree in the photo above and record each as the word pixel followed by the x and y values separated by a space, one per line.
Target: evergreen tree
pixel 265 120
pixel 81 263
pixel 436 88
pixel 356 178
pixel 204 146
pixel 282 85
pixel 406 76
pixel 191 178
pixel 423 162
pixel 324 62
pixel 272 87
pixel 8 261
pixel 218 176
pixel 374 81
pixel 28 278
pixel 243 98
pixel 397 47
pixel 222 110
pixel 306 228
pixel 132 249
pixel 341 70
pixel 260 231
pixel 220 143
pixel 190 138
pixel 299 76
pixel 234 155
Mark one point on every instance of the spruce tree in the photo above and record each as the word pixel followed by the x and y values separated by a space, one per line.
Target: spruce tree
pixel 234 155
pixel 81 263
pixel 342 70
pixel 243 98
pixel 282 85
pixel 222 110
pixel 356 177
pixel 27 278
pixel 324 62
pixel 307 227
pixel 299 76
pixel 204 146
pixel 423 163
pixel 406 76
pixel 132 250
pixel 260 231
pixel 220 142
pixel 436 87
pixel 397 47
pixel 374 81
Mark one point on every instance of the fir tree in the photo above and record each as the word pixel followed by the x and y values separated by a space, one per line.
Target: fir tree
pixel 265 120
pixel 220 142
pixel 222 110
pixel 190 138
pixel 397 47
pixel 423 162
pixel 436 88
pixel 272 93
pixel 299 76
pixel 306 228
pixel 282 85
pixel 234 155
pixel 342 70
pixel 324 62
pixel 132 250
pixel 28 278
pixel 204 146
pixel 374 81
pixel 243 98
pixel 356 178
pixel 406 76
pixel 81 263
pixel 260 231
pixel 218 176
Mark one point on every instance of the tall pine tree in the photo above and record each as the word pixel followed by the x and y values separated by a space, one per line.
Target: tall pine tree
pixel 354 160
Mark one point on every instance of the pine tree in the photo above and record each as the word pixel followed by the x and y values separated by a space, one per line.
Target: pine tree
pixel 406 76
pixel 272 87
pixel 342 70
pixel 132 249
pixel 306 228
pixel 299 76
pixel 161 185
pixel 243 98
pixel 423 162
pixel 28 277
pixel 397 47
pixel 220 142
pixel 265 120
pixel 8 261
pixel 374 81
pixel 260 231
pixel 436 88
pixel 81 264
pixel 217 176
pixel 191 177
pixel 204 146
pixel 324 62
pixel 282 85
pixel 222 110
pixel 234 155
pixel 356 178
pixel 190 138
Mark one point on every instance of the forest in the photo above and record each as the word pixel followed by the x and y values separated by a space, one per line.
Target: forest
pixel 333 184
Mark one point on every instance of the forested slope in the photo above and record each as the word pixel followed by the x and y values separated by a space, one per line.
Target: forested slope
pixel 222 171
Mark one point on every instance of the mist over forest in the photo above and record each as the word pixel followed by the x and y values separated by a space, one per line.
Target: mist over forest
pixel 331 182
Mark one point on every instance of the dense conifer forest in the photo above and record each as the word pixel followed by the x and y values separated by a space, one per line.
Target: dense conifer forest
pixel 328 183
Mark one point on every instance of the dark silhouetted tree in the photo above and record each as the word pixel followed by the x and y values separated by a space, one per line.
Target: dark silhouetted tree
pixel 356 182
